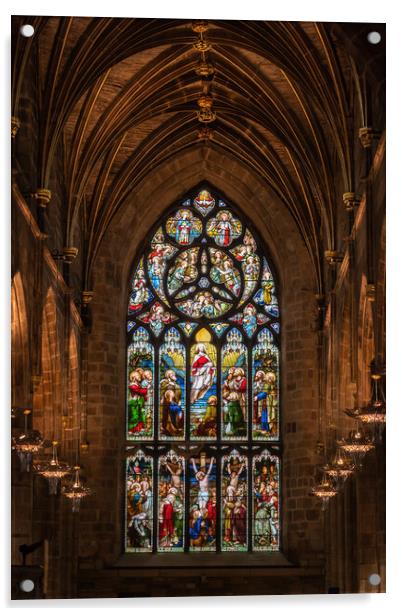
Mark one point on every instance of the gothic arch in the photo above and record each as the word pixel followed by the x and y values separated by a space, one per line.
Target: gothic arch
pixel 203 385
pixel 366 347
pixel 20 348
pixel 51 388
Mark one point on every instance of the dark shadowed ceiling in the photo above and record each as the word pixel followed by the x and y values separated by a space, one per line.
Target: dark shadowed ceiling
pixel 121 96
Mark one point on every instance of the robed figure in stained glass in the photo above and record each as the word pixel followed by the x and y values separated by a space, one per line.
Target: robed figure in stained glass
pixel 184 227
pixel 261 401
pixel 172 415
pixel 202 520
pixel 139 503
pixel 202 372
pixel 266 501
pixel 171 503
pixel 139 384
pixel 234 405
pixel 234 503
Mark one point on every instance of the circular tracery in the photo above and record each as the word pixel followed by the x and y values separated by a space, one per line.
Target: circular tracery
pixel 204 280
pixel 203 264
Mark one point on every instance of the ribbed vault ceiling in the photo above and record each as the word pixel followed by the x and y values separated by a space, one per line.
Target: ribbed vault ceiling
pixel 121 96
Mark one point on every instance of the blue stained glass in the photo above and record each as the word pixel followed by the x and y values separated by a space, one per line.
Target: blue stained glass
pixel 266 295
pixel 184 227
pixel 219 328
pixel 172 387
pixel 265 387
pixel 130 325
pixel 188 327
pixel 250 319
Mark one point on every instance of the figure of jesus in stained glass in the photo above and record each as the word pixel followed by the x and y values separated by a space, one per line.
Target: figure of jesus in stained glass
pixel 202 520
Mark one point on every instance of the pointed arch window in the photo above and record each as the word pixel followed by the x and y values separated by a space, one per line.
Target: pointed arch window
pixel 203 440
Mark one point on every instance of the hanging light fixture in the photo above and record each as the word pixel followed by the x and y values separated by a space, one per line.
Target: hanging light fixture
pixel 27 444
pixel 76 491
pixel 53 470
pixel 324 490
pixel 357 445
pixel 340 469
pixel 374 413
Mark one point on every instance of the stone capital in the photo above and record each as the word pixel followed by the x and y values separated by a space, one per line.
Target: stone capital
pixel 70 253
pixel 15 124
pixel 42 196
pixel 333 257
pixel 371 292
pixel 87 297
pixel 366 136
pixel 350 200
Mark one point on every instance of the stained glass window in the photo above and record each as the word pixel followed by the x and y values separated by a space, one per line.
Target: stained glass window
pixel 202 471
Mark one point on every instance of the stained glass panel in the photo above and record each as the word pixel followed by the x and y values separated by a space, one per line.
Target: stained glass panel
pixel 141 294
pixel 140 386
pixel 224 228
pixel 219 328
pixel 266 502
pixel 223 271
pixel 203 305
pixel 204 202
pixel 249 319
pixel 161 252
pixel 234 502
pixel 183 271
pixel 184 227
pixel 234 396
pixel 188 327
pixel 220 292
pixel 185 292
pixel 250 262
pixel 157 317
pixel 266 295
pixel 202 512
pixel 265 387
pixel 171 506
pixel 172 387
pixel 139 503
pixel 203 395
